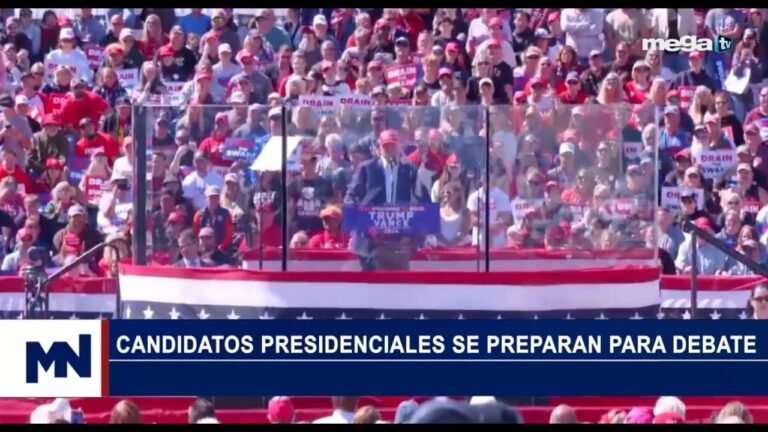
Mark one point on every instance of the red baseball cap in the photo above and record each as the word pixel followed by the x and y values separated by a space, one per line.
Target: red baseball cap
pixel 452 47
pixel 280 410
pixel 175 217
pixel 53 163
pixel 389 136
pixel 50 120
pixel 703 223
pixel 165 51
pixel 669 417
pixel 696 55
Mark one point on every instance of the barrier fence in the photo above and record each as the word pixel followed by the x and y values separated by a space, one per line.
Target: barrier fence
pixel 311 174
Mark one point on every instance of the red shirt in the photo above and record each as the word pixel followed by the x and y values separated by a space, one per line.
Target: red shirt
pixel 324 240
pixel 213 147
pixel 149 48
pixel 581 96
pixel 21 178
pixel 634 94
pixel 101 141
pixel 90 106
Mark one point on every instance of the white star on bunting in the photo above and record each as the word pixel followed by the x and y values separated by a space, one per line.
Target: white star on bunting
pixel 743 315
pixel 127 313
pixel 636 316
pixel 569 317
pixel 343 316
pixel 601 317
pixel 233 316
pixel 21 316
pixel 536 316
pixel 174 314
pixel 203 314
pixel 686 315
pixel 382 317
pixel 498 317
pixel 660 315
pixel 73 316
pixel 715 315
pixel 148 313
pixel 460 317
pixel 266 316
pixel 304 316
pixel 421 317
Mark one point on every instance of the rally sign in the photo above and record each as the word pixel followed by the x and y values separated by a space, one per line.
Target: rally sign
pixel 128 78
pixel 94 188
pixel 173 95
pixel 240 149
pixel 686 96
pixel 95 54
pixel 323 105
pixel 621 208
pixel 405 75
pixel 422 219
pixel 632 150
pixel 715 162
pixel 521 207
pixel 670 197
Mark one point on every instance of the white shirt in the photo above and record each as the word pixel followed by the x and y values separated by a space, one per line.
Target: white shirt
pixel 75 59
pixel 194 186
pixel 338 417
pixel 123 209
pixel 499 203
pixel 390 180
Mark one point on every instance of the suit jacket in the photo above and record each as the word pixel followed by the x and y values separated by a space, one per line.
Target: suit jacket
pixel 368 186
pixel 203 263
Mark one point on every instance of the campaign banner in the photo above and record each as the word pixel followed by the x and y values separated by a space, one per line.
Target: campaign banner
pixel 77 166
pixel 94 188
pixel 128 78
pixel 421 219
pixel 621 208
pixel 95 54
pixel 670 196
pixel 173 94
pixel 325 105
pixel 243 149
pixel 428 357
pixel 405 75
pixel 714 163
pixel 686 96
pixel 718 64
pixel 632 150
pixel 521 207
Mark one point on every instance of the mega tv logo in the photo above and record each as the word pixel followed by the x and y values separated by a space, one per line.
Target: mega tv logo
pixel 689 44
pixel 60 356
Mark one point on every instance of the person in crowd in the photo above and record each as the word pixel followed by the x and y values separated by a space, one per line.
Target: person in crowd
pixel 215 216
pixel 344 408
pixel 77 236
pixel 125 411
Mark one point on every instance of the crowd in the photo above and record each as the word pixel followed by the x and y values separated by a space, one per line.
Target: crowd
pixel 439 410
pixel 574 134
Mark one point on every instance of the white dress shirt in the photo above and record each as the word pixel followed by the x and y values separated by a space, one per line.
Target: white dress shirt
pixel 390 179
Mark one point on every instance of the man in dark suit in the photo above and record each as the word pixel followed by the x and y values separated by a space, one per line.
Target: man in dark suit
pixel 387 179
pixel 190 252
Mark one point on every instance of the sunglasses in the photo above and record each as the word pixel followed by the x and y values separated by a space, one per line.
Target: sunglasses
pixel 761 299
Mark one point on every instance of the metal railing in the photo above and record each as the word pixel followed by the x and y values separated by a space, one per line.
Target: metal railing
pixel 697 233
pixel 38 292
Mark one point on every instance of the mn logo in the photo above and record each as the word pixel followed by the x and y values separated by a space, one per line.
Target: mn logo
pixel 59 356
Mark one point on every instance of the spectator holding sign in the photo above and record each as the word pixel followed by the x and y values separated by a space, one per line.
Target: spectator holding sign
pixel 68 54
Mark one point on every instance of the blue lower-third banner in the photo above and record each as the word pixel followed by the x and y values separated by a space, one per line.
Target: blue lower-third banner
pixel 421 357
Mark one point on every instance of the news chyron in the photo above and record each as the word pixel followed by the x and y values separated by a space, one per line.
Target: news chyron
pixel 43 358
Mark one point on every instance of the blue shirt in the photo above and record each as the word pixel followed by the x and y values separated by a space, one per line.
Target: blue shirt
pixel 199 24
